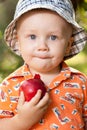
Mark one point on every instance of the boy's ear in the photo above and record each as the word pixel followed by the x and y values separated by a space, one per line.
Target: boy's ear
pixel 69 45
pixel 17 43
pixel 17 40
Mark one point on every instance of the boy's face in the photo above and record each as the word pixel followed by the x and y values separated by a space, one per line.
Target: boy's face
pixel 43 37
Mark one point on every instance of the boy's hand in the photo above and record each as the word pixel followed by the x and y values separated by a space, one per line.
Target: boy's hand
pixel 29 113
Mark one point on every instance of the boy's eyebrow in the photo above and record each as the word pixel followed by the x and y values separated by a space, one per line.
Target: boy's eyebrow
pixel 50 32
pixel 30 31
pixel 59 32
pixel 56 31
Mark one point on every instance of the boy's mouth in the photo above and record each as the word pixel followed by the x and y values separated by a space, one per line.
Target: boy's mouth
pixel 42 56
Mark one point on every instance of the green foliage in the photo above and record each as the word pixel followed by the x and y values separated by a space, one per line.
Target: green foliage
pixel 79 62
pixel 1 35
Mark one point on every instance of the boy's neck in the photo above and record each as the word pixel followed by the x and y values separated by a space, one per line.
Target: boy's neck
pixel 47 77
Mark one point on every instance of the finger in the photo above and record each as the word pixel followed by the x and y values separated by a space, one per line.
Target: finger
pixel 45 101
pixel 44 109
pixel 21 99
pixel 37 97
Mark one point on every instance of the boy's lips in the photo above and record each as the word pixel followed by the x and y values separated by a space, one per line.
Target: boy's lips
pixel 42 56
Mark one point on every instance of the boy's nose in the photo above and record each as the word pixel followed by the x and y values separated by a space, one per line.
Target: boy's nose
pixel 42 46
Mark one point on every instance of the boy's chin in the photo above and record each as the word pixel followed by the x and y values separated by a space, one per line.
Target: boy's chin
pixel 44 69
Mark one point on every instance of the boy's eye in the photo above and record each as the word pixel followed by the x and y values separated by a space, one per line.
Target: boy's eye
pixel 53 37
pixel 32 36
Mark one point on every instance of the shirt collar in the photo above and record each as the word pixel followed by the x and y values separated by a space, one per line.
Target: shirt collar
pixel 23 71
pixel 64 74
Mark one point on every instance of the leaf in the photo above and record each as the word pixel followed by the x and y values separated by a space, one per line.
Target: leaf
pixel 0 35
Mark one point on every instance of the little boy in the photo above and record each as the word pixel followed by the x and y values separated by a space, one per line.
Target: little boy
pixel 45 33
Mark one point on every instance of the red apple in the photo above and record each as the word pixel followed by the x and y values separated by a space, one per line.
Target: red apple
pixel 30 87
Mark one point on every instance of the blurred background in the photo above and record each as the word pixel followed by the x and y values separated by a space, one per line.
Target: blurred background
pixel 10 62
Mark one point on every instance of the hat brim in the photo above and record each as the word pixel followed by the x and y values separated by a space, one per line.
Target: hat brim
pixel 79 34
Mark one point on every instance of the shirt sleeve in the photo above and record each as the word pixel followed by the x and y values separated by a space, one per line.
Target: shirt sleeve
pixel 9 94
pixel 84 87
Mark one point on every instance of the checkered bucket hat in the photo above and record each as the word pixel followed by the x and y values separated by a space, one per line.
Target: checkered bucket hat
pixel 63 7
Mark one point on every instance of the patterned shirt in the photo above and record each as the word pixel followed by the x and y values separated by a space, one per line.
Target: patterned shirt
pixel 68 92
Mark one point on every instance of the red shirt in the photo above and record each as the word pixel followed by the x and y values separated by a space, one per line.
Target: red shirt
pixel 68 92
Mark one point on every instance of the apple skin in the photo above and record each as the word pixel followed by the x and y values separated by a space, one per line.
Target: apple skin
pixel 31 86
